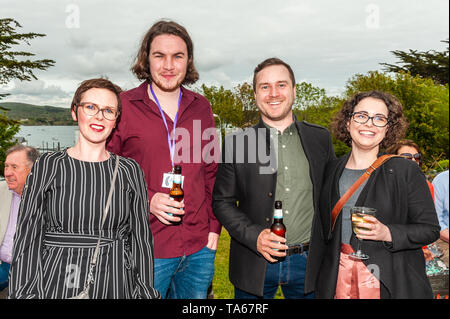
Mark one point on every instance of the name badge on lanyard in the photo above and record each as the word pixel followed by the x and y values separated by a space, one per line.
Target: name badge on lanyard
pixel 168 177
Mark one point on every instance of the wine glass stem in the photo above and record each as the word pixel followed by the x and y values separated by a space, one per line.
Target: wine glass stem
pixel 358 252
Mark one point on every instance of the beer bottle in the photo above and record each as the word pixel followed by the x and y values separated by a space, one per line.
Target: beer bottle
pixel 278 227
pixel 176 192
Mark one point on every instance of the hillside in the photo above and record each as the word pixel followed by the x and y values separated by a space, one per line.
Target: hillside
pixel 29 114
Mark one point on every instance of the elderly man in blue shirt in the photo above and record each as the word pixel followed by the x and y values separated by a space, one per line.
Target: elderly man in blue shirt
pixel 18 163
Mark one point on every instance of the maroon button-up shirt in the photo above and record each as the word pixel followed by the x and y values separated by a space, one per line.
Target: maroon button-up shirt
pixel 141 135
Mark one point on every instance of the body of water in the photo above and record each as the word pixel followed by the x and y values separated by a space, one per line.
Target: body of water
pixel 44 137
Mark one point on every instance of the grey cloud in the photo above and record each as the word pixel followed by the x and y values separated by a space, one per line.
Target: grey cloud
pixel 38 92
pixel 79 41
pixel 97 63
pixel 326 42
pixel 37 88
pixel 208 59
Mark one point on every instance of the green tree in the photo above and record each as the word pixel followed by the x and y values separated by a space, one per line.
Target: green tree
pixel 314 106
pixel 8 128
pixel 11 67
pixel 225 104
pixel 14 64
pixel 244 93
pixel 429 64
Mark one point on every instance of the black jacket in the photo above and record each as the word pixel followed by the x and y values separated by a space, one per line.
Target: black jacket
pixel 244 194
pixel 399 192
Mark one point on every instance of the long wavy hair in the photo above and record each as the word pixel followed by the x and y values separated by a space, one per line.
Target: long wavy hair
pixel 141 68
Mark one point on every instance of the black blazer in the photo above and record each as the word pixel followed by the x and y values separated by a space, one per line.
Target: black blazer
pixel 244 195
pixel 399 192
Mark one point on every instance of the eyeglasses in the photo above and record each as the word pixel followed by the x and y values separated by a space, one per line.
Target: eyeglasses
pixel 417 157
pixel 377 120
pixel 92 109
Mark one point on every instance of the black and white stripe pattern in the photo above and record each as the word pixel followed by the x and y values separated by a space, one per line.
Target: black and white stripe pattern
pixel 57 230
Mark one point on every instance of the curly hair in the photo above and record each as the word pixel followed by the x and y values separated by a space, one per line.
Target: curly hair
pixel 396 127
pixel 141 68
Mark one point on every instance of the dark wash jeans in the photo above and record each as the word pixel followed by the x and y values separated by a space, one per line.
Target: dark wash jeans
pixel 290 274
pixel 186 277
pixel 4 273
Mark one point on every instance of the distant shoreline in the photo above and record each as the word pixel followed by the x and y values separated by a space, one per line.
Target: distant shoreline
pixel 37 115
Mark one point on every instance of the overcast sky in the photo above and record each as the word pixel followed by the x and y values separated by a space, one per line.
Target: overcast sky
pixel 325 41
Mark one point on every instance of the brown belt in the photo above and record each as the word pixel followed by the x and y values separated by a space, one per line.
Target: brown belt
pixel 297 249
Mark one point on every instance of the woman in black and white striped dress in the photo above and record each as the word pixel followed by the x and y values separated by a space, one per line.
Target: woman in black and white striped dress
pixel 62 208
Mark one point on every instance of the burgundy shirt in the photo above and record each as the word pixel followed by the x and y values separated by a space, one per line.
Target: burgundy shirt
pixel 141 135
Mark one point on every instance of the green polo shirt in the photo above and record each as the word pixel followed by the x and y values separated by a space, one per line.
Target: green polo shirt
pixel 294 187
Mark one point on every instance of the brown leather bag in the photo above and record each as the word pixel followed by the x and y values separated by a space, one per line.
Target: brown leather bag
pixel 341 202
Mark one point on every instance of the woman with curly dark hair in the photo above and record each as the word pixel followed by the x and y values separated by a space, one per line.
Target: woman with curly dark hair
pixel 405 218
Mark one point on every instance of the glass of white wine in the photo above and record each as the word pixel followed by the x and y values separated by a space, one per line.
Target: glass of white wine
pixel 358 221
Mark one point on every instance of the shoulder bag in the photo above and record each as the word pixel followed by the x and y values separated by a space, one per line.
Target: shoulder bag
pixel 341 202
pixel 90 279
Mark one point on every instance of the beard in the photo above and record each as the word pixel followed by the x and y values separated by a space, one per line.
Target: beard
pixel 168 86
pixel 275 118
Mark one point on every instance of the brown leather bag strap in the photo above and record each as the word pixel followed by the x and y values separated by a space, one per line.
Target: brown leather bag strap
pixel 341 202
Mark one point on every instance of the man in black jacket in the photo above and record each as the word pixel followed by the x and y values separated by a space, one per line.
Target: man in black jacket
pixel 278 159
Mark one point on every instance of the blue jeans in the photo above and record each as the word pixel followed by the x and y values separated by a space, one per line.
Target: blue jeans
pixel 186 277
pixel 4 273
pixel 290 274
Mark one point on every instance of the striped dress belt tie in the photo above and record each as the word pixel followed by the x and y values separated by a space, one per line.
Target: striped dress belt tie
pixel 75 240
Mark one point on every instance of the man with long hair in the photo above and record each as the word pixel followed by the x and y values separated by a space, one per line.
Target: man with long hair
pixel 153 116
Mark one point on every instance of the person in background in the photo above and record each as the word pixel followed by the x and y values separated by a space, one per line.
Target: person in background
pixel 154 115
pixel 441 197
pixel 60 218
pixel 18 163
pixel 405 216
pixel 410 150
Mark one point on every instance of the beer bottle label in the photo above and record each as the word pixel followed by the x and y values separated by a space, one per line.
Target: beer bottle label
pixel 177 179
pixel 276 242
pixel 171 198
pixel 278 214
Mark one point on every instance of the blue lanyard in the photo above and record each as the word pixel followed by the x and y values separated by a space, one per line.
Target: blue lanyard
pixel 170 141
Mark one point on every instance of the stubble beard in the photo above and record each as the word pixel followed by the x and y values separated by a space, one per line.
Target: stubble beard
pixel 272 118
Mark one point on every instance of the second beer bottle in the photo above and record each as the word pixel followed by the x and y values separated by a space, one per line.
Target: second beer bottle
pixel 176 192
pixel 278 228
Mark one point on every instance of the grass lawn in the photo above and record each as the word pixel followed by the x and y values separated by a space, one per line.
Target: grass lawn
pixel 222 287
